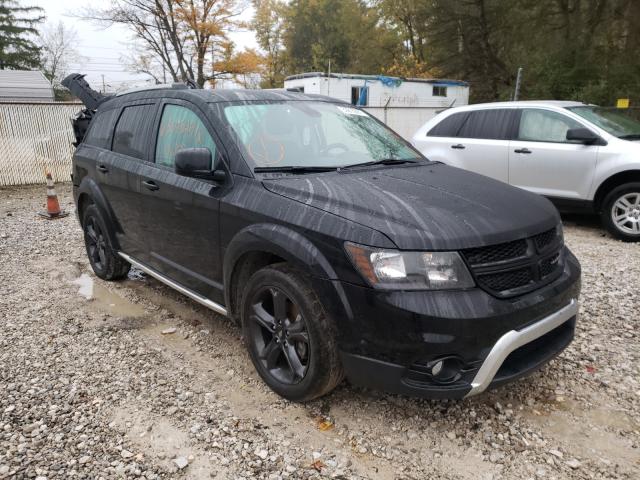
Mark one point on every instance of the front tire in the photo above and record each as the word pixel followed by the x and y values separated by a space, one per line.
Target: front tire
pixel 621 212
pixel 104 260
pixel 290 338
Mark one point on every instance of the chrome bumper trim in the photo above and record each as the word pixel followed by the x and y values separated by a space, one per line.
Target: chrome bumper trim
pixel 185 291
pixel 515 339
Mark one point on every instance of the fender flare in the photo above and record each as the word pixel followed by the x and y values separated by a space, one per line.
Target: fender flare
pixel 90 187
pixel 281 241
pixel 276 240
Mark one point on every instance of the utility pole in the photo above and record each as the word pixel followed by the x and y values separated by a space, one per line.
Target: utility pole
pixel 213 67
pixel 516 93
pixel 103 87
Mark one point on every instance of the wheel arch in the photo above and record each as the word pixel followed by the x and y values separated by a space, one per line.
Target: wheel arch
pixel 615 180
pixel 89 192
pixel 260 245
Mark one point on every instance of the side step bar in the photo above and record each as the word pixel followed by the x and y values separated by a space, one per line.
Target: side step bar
pixel 176 286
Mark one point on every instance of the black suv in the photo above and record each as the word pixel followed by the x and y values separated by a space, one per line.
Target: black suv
pixel 339 249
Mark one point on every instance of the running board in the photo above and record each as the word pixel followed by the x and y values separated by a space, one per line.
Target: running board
pixel 176 286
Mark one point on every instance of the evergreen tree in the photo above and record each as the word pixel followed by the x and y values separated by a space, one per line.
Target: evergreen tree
pixel 18 50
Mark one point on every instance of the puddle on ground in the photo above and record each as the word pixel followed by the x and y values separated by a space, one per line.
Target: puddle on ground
pixel 105 300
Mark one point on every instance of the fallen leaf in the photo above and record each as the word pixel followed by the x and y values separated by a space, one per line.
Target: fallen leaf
pixel 325 425
pixel 591 369
pixel 318 465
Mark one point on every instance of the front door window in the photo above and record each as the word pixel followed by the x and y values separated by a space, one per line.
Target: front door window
pixel 180 128
pixel 538 125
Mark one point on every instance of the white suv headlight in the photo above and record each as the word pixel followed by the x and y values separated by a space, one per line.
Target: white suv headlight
pixel 396 270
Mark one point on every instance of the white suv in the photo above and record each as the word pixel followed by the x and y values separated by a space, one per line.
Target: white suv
pixel 582 157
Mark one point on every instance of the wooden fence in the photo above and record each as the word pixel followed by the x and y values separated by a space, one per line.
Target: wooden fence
pixel 34 138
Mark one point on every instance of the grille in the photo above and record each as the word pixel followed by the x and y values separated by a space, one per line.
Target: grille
pixel 517 267
pixel 544 239
pixel 507 280
pixel 548 265
pixel 496 253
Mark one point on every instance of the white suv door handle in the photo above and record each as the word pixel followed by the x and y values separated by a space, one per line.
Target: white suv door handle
pixel 459 146
pixel 522 150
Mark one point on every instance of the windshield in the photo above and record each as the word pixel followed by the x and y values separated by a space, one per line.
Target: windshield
pixel 615 121
pixel 312 134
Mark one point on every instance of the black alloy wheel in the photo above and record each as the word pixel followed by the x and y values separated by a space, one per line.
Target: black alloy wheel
pixel 279 335
pixel 104 260
pixel 96 244
pixel 291 339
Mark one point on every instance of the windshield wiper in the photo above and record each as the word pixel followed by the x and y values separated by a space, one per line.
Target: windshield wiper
pixel 631 136
pixel 293 169
pixel 384 161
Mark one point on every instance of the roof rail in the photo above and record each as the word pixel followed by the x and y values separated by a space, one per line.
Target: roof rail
pixel 188 84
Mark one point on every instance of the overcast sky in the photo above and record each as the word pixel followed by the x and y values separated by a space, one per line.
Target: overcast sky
pixel 102 48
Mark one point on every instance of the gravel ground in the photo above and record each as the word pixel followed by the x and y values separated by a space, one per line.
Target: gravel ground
pixel 140 382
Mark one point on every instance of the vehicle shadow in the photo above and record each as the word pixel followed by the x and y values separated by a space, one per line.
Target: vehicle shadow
pixel 592 222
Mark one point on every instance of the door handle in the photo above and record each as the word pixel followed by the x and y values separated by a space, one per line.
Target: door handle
pixel 103 169
pixel 459 146
pixel 522 150
pixel 151 185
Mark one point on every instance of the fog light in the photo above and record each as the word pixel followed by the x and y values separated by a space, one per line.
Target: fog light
pixel 446 370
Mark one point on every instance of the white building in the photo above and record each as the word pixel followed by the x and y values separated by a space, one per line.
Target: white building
pixel 404 104
pixel 25 86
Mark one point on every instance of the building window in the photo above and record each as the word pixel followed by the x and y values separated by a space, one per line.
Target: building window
pixel 360 96
pixel 439 91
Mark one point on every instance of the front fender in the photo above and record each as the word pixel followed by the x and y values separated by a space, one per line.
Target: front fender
pixel 293 247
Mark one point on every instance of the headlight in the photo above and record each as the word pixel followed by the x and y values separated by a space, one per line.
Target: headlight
pixel 396 270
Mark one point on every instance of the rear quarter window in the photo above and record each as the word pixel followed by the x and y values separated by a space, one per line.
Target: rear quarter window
pixel 100 129
pixel 491 124
pixel 131 136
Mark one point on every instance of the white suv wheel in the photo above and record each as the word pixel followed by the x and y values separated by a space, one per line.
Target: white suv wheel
pixel 621 212
pixel 625 213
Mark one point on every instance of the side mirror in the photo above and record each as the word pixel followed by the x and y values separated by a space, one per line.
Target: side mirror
pixel 197 163
pixel 584 135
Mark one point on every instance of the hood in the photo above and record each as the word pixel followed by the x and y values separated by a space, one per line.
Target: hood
pixel 424 207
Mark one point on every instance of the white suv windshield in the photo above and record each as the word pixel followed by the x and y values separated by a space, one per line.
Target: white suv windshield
pixel 312 134
pixel 615 121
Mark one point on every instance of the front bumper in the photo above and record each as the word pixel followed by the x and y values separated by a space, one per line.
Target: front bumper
pixel 391 340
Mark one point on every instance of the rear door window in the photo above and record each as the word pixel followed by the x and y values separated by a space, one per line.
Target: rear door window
pixel 131 136
pixel 180 128
pixel 537 125
pixel 100 129
pixel 450 126
pixel 492 124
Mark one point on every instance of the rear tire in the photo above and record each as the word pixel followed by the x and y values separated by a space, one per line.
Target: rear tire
pixel 621 212
pixel 290 338
pixel 104 260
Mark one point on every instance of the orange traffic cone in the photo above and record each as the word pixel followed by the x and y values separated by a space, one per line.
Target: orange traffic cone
pixel 53 206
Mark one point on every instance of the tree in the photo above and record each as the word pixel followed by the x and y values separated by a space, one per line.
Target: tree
pixel 18 50
pixel 58 50
pixel 569 49
pixel 243 67
pixel 179 36
pixel 269 23
pixel 347 33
